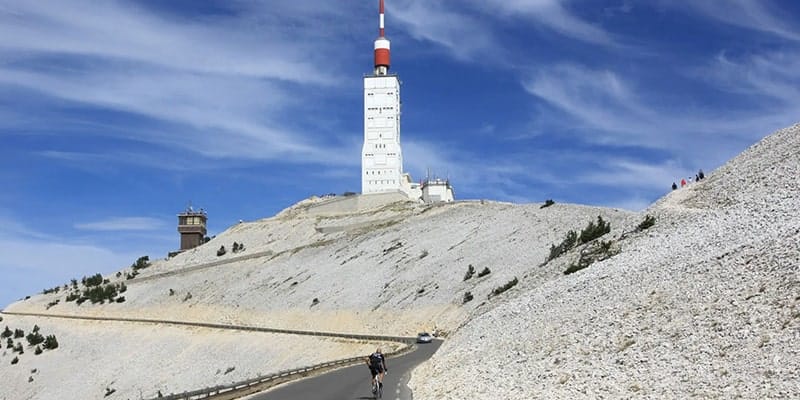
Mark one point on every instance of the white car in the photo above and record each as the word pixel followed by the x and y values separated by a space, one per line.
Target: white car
pixel 424 337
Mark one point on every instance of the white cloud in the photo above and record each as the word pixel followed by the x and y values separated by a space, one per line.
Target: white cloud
pixel 612 111
pixel 464 35
pixel 33 260
pixel 552 14
pixel 475 32
pixel 760 15
pixel 634 175
pixel 770 75
pixel 117 224
pixel 122 31
pixel 225 84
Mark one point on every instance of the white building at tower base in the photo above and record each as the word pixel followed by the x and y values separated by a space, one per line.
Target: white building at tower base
pixel 381 154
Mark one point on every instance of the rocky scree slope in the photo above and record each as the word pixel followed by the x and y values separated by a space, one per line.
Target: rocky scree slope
pixel 706 303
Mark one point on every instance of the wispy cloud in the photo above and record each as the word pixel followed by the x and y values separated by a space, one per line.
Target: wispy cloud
pixel 123 224
pixel 34 260
pixel 465 36
pixel 550 14
pixel 772 76
pixel 759 15
pixel 602 103
pixel 472 30
pixel 217 81
pixel 218 46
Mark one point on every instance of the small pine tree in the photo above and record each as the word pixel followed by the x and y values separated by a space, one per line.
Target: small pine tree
pixel 18 333
pixel 547 203
pixel 38 350
pixel 467 297
pixel 50 342
pixel 34 338
pixel 649 221
pixel 470 272
pixel 6 333
pixel 485 271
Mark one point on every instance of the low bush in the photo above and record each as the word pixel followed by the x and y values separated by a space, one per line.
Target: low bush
pixel 94 280
pixel 34 338
pixel 50 342
pixel 505 287
pixel 37 351
pixel 393 247
pixel 18 333
pixel 594 231
pixel 649 221
pixel 470 272
pixel 485 271
pixel 467 298
pixel 53 290
pixel 314 302
pixel 599 252
pixel 141 263
pixel 563 247
pixel 14 360
pixel 221 252
pixel 18 348
pixel 575 267
pixel 548 203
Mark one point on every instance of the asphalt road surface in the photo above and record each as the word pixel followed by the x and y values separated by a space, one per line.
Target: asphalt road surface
pixel 353 383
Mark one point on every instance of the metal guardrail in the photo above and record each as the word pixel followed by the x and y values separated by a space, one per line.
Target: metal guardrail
pixel 275 378
pixel 262 380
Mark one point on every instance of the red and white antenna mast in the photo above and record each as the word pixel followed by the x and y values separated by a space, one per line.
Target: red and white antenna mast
pixel 382 54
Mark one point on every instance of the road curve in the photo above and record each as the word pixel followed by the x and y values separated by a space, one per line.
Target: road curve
pixel 353 383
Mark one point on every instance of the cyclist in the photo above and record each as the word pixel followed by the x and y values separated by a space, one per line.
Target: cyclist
pixel 377 365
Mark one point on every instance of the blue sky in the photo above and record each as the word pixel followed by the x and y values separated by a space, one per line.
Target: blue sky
pixel 114 115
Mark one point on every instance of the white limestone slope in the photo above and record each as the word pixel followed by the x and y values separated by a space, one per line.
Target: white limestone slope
pixel 704 304
pixel 393 270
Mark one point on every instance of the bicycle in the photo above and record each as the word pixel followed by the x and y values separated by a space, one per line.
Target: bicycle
pixel 377 387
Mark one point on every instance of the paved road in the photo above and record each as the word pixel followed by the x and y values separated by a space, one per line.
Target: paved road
pixel 353 383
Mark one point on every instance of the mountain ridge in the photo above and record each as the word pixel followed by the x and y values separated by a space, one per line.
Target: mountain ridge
pixel 399 268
